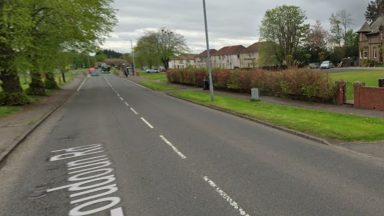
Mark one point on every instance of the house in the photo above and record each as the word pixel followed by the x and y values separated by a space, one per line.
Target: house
pixel 371 41
pixel 228 57
pixel 250 55
pixel 183 61
pixel 201 59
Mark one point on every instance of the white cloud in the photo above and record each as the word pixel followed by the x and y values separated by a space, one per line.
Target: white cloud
pixel 230 22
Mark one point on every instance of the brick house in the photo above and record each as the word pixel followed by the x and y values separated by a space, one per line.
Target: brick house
pixel 371 41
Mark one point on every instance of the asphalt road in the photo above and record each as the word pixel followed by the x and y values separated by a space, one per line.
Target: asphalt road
pixel 120 149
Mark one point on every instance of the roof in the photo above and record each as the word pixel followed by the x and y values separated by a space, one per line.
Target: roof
pixel 230 50
pixel 374 27
pixel 254 48
pixel 365 28
pixel 185 57
pixel 205 54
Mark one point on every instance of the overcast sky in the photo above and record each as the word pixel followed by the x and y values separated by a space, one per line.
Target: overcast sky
pixel 230 22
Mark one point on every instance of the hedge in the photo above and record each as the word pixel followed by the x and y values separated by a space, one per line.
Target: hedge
pixel 300 84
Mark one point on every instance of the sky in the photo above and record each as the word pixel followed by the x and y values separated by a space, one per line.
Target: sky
pixel 230 22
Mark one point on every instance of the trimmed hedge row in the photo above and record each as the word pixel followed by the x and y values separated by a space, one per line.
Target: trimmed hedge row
pixel 301 84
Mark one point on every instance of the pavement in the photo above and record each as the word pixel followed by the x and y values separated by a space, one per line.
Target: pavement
pixel 15 127
pixel 117 149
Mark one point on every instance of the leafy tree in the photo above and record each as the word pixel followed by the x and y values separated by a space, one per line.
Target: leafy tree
pixel 267 55
pixel 286 27
pixel 374 10
pixel 169 44
pixel 146 50
pixel 352 43
pixel 15 24
pixel 61 25
pixel 159 47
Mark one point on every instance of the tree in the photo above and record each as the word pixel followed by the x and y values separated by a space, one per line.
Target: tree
pixel 169 44
pixel 336 31
pixel 15 24
pixel 61 25
pixel 374 10
pixel 159 47
pixel 345 19
pixel 286 27
pixel 146 50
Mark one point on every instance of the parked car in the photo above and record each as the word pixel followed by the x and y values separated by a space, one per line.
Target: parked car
pixel 150 70
pixel 313 65
pixel 326 65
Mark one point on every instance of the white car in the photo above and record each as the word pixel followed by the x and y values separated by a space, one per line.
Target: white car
pixel 326 65
pixel 149 70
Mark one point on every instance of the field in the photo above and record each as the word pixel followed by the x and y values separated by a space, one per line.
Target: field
pixel 370 77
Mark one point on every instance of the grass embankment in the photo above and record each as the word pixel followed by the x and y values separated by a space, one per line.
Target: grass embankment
pixel 329 125
pixel 370 77
pixel 155 81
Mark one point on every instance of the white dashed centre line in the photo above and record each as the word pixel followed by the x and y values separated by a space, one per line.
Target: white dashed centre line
pixel 122 99
pixel 126 104
pixel 117 212
pixel 134 111
pixel 226 197
pixel 147 123
pixel 173 147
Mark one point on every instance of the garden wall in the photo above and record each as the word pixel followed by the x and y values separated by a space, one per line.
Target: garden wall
pixel 368 97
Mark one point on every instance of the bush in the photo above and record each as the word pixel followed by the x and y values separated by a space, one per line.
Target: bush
pixel 301 84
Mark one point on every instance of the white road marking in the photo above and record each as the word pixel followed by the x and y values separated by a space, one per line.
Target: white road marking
pixel 117 212
pixel 173 147
pixel 146 122
pixel 134 111
pixel 127 104
pixel 226 197
pixel 122 99
pixel 81 85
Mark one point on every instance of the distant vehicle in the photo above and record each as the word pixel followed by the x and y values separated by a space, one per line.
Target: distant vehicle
pixel 326 65
pixel 149 70
pixel 313 65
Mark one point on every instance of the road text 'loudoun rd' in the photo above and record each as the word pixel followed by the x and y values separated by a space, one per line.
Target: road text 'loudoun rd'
pixel 92 184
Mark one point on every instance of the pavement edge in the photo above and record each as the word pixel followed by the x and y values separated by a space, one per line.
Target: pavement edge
pixel 4 155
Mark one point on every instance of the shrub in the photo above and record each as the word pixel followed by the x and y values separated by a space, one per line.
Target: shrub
pixel 301 84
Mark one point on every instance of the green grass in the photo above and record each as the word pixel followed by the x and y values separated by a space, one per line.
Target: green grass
pixel 154 76
pixel 328 125
pixel 6 110
pixel 157 85
pixel 370 77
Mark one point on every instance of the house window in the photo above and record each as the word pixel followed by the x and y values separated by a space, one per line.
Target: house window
pixel 374 53
pixel 238 56
pixel 365 54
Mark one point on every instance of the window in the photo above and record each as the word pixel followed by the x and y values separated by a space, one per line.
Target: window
pixel 374 53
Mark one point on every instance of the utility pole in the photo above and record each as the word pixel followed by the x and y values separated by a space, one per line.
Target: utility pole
pixel 209 66
pixel 133 60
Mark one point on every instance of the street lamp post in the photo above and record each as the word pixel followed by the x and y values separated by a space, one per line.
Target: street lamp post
pixel 208 54
pixel 133 60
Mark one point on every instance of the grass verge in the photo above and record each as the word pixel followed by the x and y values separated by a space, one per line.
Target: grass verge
pixel 327 125
pixel 6 110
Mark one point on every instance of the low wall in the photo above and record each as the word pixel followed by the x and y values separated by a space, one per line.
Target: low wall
pixel 368 97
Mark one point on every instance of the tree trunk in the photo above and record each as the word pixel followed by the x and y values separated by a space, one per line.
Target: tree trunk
pixel 50 82
pixel 36 87
pixel 12 93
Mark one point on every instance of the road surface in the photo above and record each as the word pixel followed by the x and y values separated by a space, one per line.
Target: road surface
pixel 119 149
